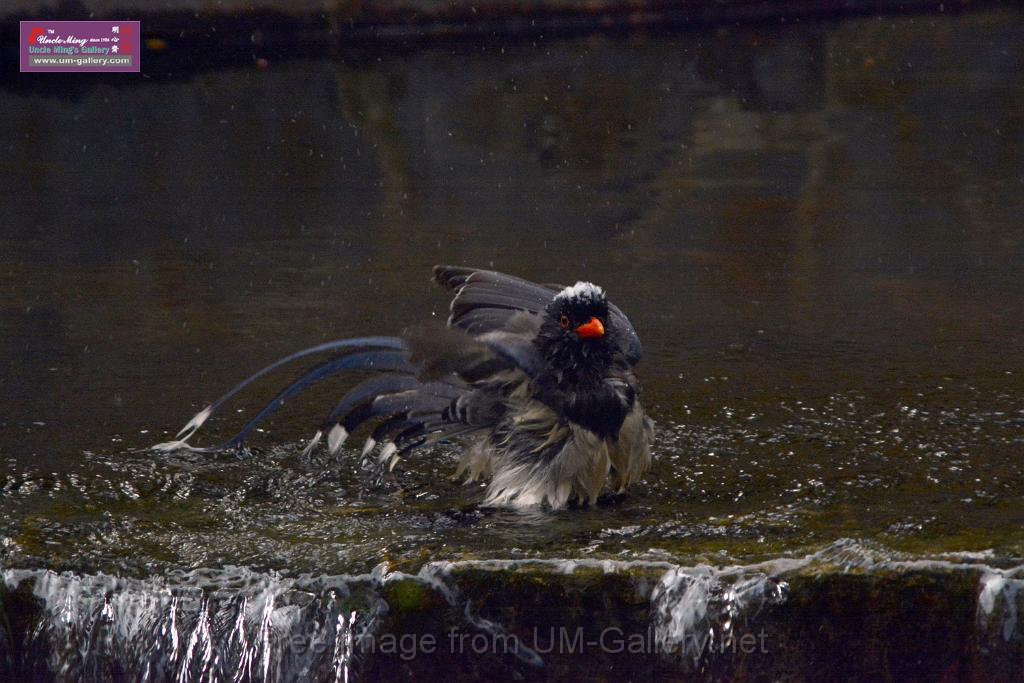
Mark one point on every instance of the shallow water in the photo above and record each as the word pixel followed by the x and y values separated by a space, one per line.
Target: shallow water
pixel 816 230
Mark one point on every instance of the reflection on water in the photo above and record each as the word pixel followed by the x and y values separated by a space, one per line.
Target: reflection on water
pixel 815 229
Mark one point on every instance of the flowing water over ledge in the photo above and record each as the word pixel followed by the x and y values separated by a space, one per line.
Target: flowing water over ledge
pixel 527 619
pixel 815 228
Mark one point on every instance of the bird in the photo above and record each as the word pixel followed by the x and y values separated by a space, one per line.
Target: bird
pixel 535 380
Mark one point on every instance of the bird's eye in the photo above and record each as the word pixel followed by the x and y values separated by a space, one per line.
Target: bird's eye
pixel 564 322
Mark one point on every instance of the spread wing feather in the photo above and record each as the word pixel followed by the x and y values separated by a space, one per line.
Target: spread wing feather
pixel 501 295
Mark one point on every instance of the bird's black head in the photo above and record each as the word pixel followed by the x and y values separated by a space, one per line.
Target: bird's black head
pixel 575 337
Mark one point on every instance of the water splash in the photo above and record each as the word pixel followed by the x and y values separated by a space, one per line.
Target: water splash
pixel 699 611
pixel 999 604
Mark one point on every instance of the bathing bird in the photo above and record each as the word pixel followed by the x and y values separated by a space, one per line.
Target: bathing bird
pixel 536 381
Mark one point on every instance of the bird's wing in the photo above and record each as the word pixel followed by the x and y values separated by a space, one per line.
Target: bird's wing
pixel 440 352
pixel 486 301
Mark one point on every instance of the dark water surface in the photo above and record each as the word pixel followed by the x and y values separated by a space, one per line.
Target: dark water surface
pixel 816 229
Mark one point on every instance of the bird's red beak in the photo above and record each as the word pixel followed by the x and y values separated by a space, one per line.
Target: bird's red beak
pixel 593 329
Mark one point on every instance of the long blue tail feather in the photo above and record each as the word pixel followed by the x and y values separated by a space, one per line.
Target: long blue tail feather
pixel 390 361
pixel 341 344
pixel 392 358
pixel 414 411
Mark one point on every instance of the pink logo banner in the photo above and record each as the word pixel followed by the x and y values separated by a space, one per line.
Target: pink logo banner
pixel 77 46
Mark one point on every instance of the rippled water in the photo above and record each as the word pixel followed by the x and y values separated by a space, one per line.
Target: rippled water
pixel 816 230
